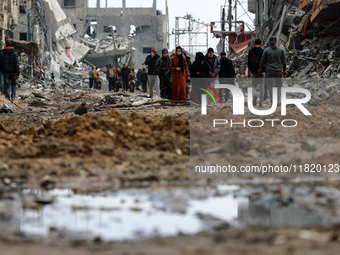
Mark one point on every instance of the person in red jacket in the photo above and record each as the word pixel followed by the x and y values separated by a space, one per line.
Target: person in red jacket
pixel 179 67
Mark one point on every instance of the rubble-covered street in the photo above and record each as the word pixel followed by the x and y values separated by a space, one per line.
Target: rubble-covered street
pixel 94 141
pixel 96 171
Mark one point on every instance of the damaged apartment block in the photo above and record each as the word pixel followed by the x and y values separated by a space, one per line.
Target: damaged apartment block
pixel 8 19
pixel 293 21
pixel 113 33
pixel 128 34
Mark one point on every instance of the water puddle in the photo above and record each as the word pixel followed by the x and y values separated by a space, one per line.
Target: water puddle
pixel 135 214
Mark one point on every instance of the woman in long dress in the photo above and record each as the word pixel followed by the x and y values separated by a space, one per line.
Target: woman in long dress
pixel 179 67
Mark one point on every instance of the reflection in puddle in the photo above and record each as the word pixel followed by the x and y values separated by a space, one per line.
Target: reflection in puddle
pixel 290 216
pixel 137 214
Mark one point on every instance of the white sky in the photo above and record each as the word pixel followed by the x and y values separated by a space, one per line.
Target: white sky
pixel 204 10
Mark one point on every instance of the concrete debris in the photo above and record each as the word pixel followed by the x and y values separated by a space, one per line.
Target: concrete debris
pixel 37 103
pixel 124 99
pixel 40 96
pixel 309 32
pixel 309 145
pixel 6 109
pixel 109 50
pixel 81 109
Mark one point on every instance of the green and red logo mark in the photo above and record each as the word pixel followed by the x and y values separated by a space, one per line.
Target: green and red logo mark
pixel 208 92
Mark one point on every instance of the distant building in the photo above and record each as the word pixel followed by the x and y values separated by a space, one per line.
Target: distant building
pixel 8 19
pixel 148 27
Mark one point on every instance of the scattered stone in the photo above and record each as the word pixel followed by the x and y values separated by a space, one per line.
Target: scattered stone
pixel 309 145
pixel 82 109
pixel 3 167
pixel 38 103
pixel 6 109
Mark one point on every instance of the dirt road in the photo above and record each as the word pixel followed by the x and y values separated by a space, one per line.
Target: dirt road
pixel 45 144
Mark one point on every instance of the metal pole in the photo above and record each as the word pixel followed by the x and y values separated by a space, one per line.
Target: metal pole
pixel 229 15
pixel 29 38
pixel 229 19
pixel 207 38
pixel 177 32
pixel 235 11
pixel 189 33
pixel 223 28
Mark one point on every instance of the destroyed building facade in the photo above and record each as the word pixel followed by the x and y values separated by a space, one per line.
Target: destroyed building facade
pixel 293 21
pixel 140 29
pixel 8 19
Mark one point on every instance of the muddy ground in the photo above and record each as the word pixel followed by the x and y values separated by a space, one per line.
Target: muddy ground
pixel 45 144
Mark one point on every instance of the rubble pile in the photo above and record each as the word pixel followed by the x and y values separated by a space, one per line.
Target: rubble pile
pixel 137 133
pixel 318 58
pixel 102 52
pixel 125 99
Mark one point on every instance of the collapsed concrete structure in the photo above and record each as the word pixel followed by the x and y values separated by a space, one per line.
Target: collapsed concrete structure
pixel 309 30
pixel 111 33
pixel 292 21
pixel 8 19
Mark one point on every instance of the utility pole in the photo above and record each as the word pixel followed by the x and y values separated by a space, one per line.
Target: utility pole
pixel 229 14
pixel 29 38
pixel 230 19
pixel 223 27
pixel 191 31
pixel 235 12
pixel 177 32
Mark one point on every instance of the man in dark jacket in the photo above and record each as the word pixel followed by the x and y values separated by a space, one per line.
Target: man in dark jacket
pixel 214 64
pixel 164 73
pixel 274 60
pixel 144 79
pixel 151 61
pixel 9 67
pixel 226 75
pixel 254 59
pixel 125 77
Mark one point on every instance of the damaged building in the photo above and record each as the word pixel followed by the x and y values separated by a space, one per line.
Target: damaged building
pixel 8 19
pixel 114 34
pixel 292 21
pixel 309 30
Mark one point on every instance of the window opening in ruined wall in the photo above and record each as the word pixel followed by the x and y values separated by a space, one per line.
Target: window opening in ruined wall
pixel 102 3
pixel 114 3
pixel 92 29
pixel 147 50
pixel 69 3
pixel 107 29
pixel 143 4
pixel 132 31
pixel 23 36
pixel 22 7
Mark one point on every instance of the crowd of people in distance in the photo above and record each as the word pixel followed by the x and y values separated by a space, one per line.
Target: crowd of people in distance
pixel 169 75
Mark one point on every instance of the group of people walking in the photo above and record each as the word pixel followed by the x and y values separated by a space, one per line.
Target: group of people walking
pixel 125 77
pixel 266 68
pixel 174 73
pixel 169 75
